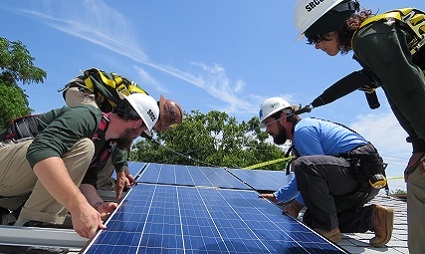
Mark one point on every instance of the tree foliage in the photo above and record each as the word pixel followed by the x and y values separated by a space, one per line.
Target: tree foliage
pixel 16 65
pixel 212 139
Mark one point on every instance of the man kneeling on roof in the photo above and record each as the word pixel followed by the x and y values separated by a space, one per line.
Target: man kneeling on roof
pixel 333 165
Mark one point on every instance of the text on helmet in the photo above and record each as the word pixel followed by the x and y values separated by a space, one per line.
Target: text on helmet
pixel 151 115
pixel 313 4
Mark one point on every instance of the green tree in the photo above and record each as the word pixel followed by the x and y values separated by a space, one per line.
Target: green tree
pixel 16 65
pixel 212 139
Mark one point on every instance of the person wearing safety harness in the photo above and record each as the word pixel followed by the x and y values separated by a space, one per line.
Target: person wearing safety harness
pixel 332 166
pixel 389 47
pixel 49 162
pixel 105 90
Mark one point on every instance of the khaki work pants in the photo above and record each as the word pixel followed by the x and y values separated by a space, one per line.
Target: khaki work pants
pixel 416 212
pixel 19 184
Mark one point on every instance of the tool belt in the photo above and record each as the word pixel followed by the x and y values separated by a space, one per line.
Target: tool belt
pixel 20 128
pixel 365 162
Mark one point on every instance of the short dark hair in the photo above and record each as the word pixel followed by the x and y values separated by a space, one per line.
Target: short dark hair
pixel 292 118
pixel 126 111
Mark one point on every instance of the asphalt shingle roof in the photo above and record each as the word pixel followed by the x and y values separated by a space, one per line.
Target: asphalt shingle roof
pixel 358 243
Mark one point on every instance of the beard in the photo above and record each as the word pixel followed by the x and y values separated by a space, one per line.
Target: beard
pixel 281 137
pixel 126 139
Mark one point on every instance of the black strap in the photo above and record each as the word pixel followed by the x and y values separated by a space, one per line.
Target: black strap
pixel 19 128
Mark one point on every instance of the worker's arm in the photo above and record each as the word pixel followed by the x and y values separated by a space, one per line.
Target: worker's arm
pixel 54 176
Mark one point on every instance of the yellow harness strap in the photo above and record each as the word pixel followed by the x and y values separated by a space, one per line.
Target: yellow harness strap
pixel 413 18
pixel 115 81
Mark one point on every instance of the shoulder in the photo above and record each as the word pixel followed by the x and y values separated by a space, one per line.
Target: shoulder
pixel 81 111
pixel 307 123
pixel 81 115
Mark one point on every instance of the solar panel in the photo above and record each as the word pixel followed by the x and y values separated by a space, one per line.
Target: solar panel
pixel 180 219
pixel 190 176
pixel 134 167
pixel 263 180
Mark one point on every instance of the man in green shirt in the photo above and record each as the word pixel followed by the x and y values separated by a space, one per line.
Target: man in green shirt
pixel 52 168
pixel 105 90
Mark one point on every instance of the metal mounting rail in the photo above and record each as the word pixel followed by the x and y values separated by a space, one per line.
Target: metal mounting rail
pixel 45 237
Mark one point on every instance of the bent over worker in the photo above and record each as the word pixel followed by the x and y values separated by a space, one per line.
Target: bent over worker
pixel 390 49
pixel 105 90
pixel 49 162
pixel 332 169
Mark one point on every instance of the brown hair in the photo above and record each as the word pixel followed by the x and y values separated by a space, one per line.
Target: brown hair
pixel 345 31
pixel 349 27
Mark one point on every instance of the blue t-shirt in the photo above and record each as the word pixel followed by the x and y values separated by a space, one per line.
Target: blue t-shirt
pixel 318 137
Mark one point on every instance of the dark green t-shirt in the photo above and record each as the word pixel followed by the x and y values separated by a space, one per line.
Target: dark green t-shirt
pixel 382 47
pixel 60 129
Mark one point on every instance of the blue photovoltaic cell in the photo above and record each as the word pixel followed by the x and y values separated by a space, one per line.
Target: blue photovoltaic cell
pixel 179 219
pixel 190 176
pixel 263 180
pixel 133 167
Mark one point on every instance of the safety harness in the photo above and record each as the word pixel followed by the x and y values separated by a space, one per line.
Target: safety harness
pixel 410 18
pixel 107 87
pixel 26 127
pixel 99 161
pixel 19 128
pixel 112 80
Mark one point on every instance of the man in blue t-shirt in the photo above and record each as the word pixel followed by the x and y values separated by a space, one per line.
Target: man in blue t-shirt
pixel 332 166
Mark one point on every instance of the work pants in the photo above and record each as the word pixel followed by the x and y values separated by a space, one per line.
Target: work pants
pixel 20 186
pixel 105 181
pixel 416 212
pixel 328 185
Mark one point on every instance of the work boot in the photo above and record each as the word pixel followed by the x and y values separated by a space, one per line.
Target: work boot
pixel 334 235
pixel 293 208
pixel 382 224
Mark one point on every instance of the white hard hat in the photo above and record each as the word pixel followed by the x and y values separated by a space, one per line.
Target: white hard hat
pixel 271 106
pixel 146 107
pixel 307 12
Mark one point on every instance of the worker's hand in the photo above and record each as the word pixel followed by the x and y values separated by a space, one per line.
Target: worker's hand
pixel 293 208
pixel 106 208
pixel 86 221
pixel 124 179
pixel 270 197
pixel 130 177
pixel 414 164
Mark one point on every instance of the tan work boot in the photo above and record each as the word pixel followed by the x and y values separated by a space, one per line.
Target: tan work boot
pixel 382 225
pixel 334 235
pixel 293 208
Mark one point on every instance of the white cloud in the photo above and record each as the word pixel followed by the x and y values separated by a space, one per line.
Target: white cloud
pixel 384 131
pixel 147 79
pixel 102 25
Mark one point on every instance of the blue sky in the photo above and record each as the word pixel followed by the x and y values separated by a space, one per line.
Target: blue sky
pixel 225 55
